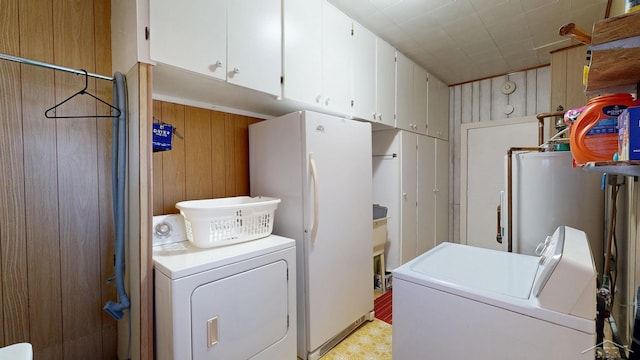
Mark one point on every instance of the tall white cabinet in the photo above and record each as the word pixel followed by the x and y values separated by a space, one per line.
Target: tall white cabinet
pixel 410 177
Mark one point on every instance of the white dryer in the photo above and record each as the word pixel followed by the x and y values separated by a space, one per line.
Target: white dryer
pixel 231 302
pixel 463 302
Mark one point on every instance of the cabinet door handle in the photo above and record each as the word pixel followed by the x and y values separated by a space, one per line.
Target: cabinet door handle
pixel 326 101
pixel 236 70
pixel 218 63
pixel 318 99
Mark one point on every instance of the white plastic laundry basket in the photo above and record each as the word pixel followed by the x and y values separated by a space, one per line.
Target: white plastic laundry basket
pixel 219 222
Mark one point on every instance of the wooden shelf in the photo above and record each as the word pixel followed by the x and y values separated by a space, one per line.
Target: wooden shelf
pixel 626 168
pixel 615 53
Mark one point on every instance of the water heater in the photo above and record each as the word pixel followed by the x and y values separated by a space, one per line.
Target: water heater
pixel 548 192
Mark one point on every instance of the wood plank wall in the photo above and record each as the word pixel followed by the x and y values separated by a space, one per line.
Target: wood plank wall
pixel 212 161
pixel 56 232
pixel 483 100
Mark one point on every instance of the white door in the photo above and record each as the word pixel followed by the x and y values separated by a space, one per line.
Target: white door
pixel 254 43
pixel 419 103
pixel 385 82
pixel 437 108
pixel 339 267
pixel 404 92
pixel 336 62
pixel 442 191
pixel 191 35
pixel 408 195
pixel 363 69
pixel 302 50
pixel 426 182
pixel 483 148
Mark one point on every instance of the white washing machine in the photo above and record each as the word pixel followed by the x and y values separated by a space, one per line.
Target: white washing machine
pixel 231 302
pixel 463 302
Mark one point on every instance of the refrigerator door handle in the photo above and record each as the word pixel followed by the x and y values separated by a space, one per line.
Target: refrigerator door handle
pixel 314 177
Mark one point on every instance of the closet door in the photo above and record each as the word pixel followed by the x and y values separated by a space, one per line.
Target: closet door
pixel 426 187
pixel 408 195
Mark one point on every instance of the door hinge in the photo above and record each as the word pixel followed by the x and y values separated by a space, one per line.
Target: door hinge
pixel 147 33
pixel 281 80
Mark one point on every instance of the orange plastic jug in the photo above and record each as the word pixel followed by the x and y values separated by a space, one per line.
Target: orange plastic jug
pixel 594 134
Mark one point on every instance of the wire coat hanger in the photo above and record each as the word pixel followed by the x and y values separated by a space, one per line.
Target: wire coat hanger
pixel 82 92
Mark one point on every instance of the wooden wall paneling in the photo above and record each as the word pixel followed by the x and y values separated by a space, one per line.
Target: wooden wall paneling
pixel 532 91
pixel 498 99
pixel 475 101
pixel 10 194
pixel 104 89
pixel 229 156
pixel 543 86
pixel 485 100
pixel 218 146
pixel 197 129
pixel 74 45
pixel 173 162
pixel 13 252
pixel 158 190
pixel 467 102
pixel 142 111
pixel 518 99
pixel 241 154
pixel 41 190
pixel 41 184
pixel 576 60
pixel 559 79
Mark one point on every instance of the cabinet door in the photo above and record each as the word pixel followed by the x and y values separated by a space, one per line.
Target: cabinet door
pixel 190 36
pixel 254 43
pixel 302 50
pixel 426 186
pixel 404 91
pixel 419 103
pixel 408 195
pixel 441 191
pixel 437 108
pixel 336 64
pixel 385 83
pixel 363 70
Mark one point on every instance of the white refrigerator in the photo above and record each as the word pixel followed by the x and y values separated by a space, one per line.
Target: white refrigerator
pixel 320 167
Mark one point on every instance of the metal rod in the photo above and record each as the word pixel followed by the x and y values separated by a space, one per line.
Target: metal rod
pixel 51 66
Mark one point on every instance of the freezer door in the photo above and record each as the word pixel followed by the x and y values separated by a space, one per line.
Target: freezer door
pixel 338 224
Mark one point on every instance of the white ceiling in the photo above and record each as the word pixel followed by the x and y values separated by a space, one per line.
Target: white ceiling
pixel 466 40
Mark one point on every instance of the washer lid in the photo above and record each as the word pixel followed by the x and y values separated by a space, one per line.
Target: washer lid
pixel 177 260
pixel 496 278
pixel 474 269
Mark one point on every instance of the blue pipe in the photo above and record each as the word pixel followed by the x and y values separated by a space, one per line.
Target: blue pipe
pixel 118 182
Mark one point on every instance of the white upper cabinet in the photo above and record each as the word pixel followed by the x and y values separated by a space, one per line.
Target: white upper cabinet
pixel 363 70
pixel 336 62
pixel 411 96
pixel 385 83
pixel 317 55
pixel 254 44
pixel 191 35
pixel 404 92
pixel 419 102
pixel 438 108
pixel 239 41
pixel 302 50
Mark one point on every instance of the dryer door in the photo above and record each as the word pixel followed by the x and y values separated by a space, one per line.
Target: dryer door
pixel 239 316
